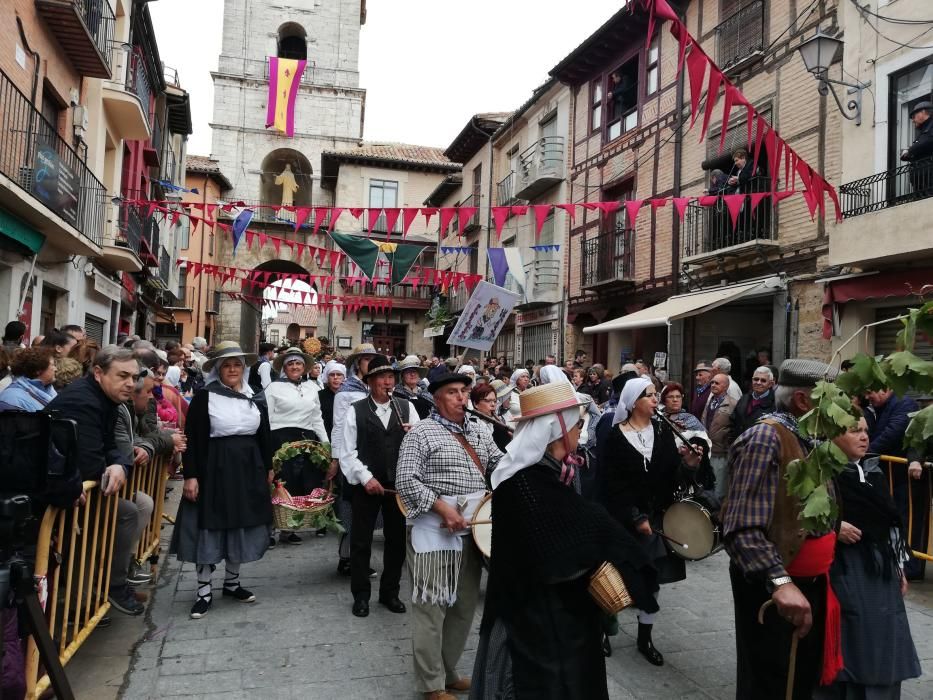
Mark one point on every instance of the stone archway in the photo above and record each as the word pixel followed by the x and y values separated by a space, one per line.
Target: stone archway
pixel 252 313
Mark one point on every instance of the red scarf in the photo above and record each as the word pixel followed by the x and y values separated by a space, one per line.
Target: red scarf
pixel 814 559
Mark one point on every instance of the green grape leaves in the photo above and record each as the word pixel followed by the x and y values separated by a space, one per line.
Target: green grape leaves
pixel 920 430
pixel 864 376
pixel 906 371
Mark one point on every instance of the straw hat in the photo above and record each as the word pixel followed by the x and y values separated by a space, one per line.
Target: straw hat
pixel 547 398
pixel 502 388
pixel 412 362
pixel 378 365
pixel 225 349
pixel 290 354
pixel 360 350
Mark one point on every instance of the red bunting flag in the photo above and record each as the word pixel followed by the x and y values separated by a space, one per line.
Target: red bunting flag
pixel 542 211
pixel 499 216
pixel 428 213
pixel 463 216
pixel 408 218
pixel 631 210
pixel 447 215
pixel 680 204
pixel 356 212
pixel 301 215
pixel 373 216
pixel 392 214
pixel 569 208
pixel 734 202
pixel 320 213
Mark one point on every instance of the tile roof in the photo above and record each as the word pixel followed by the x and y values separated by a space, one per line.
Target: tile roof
pixel 304 316
pixel 397 152
pixel 209 166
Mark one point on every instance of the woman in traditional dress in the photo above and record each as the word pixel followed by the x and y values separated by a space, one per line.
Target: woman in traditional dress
pixel 672 403
pixel 519 381
pixel 333 375
pixel 868 579
pixel 541 631
pixel 484 400
pixel 226 512
pixel 295 414
pixel 641 478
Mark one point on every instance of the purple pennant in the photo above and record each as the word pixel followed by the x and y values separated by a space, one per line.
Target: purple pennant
pixel 499 265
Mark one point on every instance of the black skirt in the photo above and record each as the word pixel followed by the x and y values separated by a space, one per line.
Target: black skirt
pixel 300 476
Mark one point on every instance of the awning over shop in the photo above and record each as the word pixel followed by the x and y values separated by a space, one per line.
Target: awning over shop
pixel 684 305
pixel 19 236
pixel 894 284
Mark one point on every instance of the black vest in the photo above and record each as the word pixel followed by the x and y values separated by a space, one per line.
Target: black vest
pixel 377 446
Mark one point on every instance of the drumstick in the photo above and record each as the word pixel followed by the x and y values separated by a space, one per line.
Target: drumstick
pixel 475 522
pixel 673 541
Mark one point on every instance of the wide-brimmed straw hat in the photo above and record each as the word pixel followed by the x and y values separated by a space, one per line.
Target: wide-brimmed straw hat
pixel 378 365
pixel 547 398
pixel 502 388
pixel 412 362
pixel 227 349
pixel 359 351
pixel 291 354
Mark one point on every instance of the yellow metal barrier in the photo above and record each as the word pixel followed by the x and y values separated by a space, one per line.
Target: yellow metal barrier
pixel 73 563
pixel 928 555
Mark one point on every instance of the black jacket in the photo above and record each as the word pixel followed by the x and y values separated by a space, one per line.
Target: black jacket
pixel 86 403
pixel 922 147
pixel 741 420
pixel 887 425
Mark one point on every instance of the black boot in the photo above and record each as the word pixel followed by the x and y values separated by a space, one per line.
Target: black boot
pixel 646 648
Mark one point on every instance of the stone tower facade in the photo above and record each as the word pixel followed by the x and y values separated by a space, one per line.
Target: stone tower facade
pixel 328 116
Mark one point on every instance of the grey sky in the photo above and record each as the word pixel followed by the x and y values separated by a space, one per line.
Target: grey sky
pixel 427 65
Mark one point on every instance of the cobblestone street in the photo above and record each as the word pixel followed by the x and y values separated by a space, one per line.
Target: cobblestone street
pixel 299 639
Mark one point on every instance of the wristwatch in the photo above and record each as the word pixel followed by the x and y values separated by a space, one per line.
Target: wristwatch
pixel 775 583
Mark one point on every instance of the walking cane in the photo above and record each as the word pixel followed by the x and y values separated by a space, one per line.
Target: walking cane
pixel 792 665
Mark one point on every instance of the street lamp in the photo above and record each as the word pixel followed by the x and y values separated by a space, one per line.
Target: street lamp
pixel 817 53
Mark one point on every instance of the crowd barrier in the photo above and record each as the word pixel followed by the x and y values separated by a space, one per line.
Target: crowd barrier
pixel 927 483
pixel 73 563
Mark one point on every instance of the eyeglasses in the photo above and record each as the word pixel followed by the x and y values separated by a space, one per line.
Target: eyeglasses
pixel 760 380
pixel 674 397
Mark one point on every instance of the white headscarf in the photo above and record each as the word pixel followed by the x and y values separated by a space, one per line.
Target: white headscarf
pixel 333 366
pixel 530 441
pixel 214 376
pixel 630 393
pixel 467 369
pixel 551 374
pixel 173 375
pixel 516 374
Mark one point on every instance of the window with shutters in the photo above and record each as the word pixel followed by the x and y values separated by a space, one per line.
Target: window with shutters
pixel 536 342
pixel 94 328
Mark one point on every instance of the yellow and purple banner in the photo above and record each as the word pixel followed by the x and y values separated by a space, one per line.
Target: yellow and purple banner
pixel 284 79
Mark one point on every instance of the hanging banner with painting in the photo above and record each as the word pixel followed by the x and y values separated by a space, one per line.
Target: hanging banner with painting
pixel 483 317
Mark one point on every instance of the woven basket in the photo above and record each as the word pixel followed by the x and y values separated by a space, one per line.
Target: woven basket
pixel 300 512
pixel 608 589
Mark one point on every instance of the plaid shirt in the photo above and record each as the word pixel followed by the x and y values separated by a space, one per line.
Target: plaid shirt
pixel 755 468
pixel 432 462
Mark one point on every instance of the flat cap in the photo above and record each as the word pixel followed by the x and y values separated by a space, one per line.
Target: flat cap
pixel 800 372
pixel 925 104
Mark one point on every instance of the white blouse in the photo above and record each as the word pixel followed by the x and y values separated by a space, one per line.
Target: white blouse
pixel 295 406
pixel 231 416
pixel 641 440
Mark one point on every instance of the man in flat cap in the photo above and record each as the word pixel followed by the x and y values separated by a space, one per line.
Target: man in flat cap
pixel 920 153
pixel 772 557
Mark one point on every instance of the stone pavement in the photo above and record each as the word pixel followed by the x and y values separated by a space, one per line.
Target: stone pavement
pixel 299 639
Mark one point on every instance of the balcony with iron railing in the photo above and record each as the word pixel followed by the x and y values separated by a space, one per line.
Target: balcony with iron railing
pixel 505 190
pixel 128 98
pixel 608 259
pixel 741 38
pixel 121 246
pixel 882 215
pixel 380 225
pixel 84 30
pixel 137 82
pixel 165 268
pixel 181 300
pixel 404 296
pixel 708 232
pixel 541 166
pixel 473 223
pixel 213 305
pixel 457 299
pixel 542 281
pixel 45 181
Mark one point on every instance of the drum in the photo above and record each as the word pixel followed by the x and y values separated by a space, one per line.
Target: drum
pixel 482 533
pixel 691 522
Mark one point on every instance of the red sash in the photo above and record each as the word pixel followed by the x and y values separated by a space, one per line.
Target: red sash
pixel 814 559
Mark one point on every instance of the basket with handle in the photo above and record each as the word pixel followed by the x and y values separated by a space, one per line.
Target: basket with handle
pixel 608 589
pixel 311 512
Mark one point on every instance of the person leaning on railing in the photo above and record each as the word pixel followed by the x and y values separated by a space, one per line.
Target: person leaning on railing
pixel 920 152
pixel 92 402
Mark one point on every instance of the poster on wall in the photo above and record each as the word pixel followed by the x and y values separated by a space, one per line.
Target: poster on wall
pixel 55 184
pixel 483 316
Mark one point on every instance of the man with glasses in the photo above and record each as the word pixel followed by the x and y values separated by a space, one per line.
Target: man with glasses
pixel 716 418
pixel 756 403
pixel 702 374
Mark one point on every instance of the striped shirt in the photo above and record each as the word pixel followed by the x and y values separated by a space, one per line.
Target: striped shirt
pixel 755 473
pixel 432 463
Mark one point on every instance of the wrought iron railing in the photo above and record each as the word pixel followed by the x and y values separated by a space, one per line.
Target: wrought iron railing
pixel 130 227
pixel 137 81
pixel 165 265
pixel 741 35
pixel 906 183
pixel 170 166
pixel 381 225
pixel 99 20
pixel 214 305
pixel 505 190
pixel 709 229
pixel 544 158
pixel 473 222
pixel 38 160
pixel 608 257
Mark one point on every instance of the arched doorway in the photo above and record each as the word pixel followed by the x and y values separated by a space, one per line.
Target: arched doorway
pixel 258 320
pixel 292 41
pixel 277 165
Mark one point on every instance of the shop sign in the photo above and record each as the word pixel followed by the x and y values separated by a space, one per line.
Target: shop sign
pixel 540 316
pixel 107 287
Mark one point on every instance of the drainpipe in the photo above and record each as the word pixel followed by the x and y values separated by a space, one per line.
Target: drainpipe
pixel 676 228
